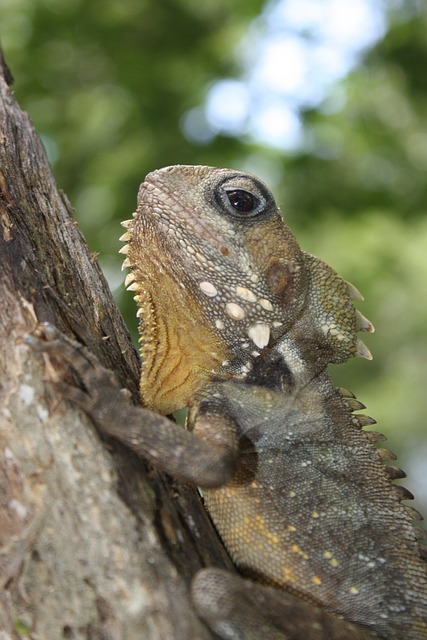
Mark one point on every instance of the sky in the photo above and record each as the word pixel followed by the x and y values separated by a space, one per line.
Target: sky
pixel 291 58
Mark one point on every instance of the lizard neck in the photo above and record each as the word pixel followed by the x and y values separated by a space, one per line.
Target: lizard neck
pixel 178 352
pixel 283 367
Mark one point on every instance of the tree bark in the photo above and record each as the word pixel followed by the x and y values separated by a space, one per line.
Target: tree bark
pixel 93 542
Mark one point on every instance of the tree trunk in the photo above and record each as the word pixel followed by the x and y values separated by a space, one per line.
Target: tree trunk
pixel 93 543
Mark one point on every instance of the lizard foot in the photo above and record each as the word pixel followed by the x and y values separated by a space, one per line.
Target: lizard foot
pixel 92 377
pixel 238 609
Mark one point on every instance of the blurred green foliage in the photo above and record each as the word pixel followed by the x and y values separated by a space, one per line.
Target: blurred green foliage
pixel 107 84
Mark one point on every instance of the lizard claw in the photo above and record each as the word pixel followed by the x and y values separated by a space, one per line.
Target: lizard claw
pixel 91 376
pixel 45 332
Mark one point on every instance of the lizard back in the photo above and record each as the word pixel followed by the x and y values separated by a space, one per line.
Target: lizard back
pixel 310 507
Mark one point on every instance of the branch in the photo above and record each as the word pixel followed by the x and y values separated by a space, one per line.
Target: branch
pixel 93 543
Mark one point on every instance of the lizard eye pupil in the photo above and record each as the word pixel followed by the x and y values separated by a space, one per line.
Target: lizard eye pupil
pixel 242 201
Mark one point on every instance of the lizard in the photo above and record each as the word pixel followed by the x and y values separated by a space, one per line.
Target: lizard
pixel 238 324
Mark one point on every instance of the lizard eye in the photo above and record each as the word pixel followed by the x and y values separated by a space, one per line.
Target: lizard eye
pixel 241 196
pixel 242 201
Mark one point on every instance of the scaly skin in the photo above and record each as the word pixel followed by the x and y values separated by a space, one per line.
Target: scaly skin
pixel 239 323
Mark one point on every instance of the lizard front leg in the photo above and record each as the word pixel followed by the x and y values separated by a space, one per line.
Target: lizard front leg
pixel 152 437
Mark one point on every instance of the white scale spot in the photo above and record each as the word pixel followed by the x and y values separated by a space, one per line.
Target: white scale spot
pixel 325 329
pixel 246 294
pixel 208 289
pixel 235 311
pixel 219 324
pixel 337 334
pixel 200 257
pixel 259 334
pixel 265 304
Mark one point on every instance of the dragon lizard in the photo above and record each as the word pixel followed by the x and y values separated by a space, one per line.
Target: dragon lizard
pixel 238 324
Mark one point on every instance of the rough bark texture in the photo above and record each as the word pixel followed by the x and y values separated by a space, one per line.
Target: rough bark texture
pixel 93 543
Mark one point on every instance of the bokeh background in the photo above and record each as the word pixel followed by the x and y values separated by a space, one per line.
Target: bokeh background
pixel 326 100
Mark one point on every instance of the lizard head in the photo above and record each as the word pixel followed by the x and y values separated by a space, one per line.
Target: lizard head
pixel 218 276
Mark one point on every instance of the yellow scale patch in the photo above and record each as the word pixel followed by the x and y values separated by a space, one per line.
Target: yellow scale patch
pixel 288 574
pixel 328 555
pixel 257 524
pixel 178 352
pixel 297 549
pixel 256 535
